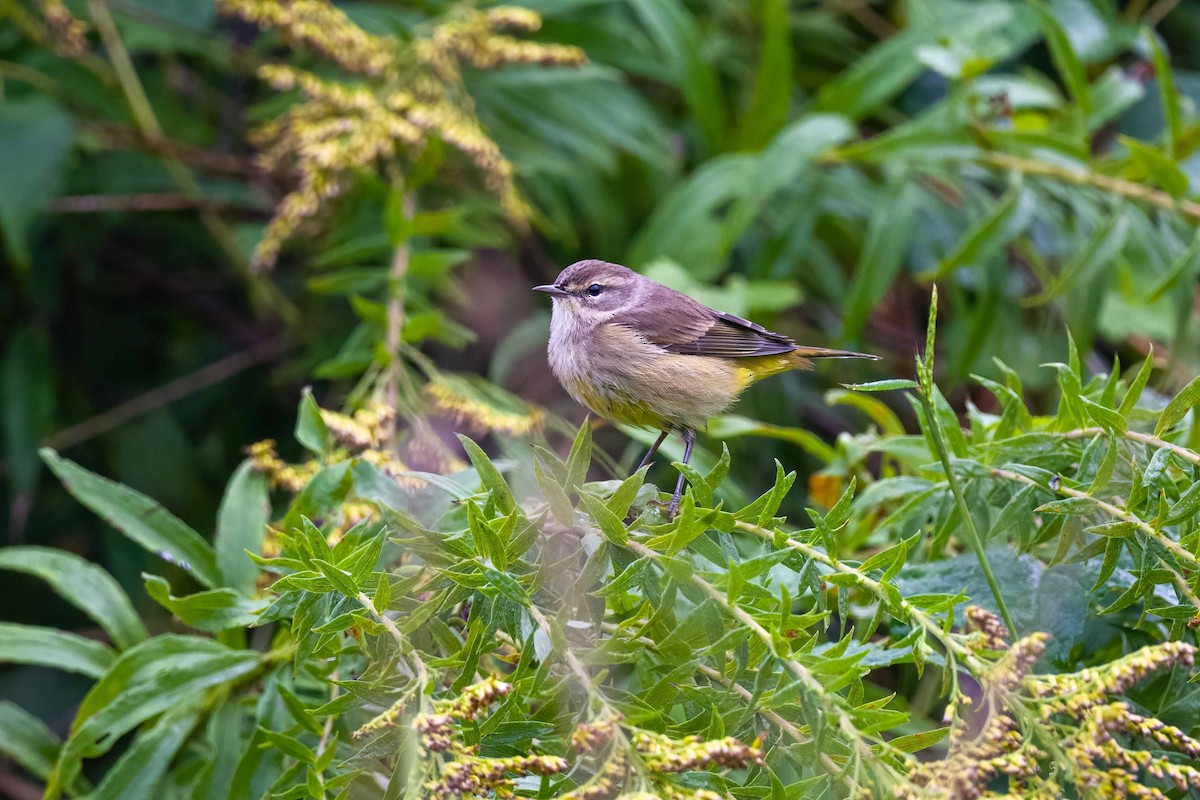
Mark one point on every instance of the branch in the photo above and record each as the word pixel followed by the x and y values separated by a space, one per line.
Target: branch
pixel 177 389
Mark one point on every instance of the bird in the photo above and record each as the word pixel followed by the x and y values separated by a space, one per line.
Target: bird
pixel 636 352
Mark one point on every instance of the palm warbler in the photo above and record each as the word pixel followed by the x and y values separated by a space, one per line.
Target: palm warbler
pixel 637 352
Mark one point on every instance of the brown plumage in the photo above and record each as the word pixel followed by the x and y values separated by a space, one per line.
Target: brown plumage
pixel 637 352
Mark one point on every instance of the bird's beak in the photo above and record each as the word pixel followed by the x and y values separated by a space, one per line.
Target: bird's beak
pixel 550 289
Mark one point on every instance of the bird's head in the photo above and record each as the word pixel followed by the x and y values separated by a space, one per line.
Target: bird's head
pixel 593 291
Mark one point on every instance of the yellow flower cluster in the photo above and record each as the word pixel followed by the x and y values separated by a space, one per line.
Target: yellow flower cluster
pixel 591 736
pixel 369 427
pixel 280 475
pixel 1077 718
pixel 471 776
pixel 991 633
pixel 406 94
pixel 68 33
pixel 435 727
pixel 659 756
pixel 663 754
pixel 471 38
pixel 483 406
pixel 321 25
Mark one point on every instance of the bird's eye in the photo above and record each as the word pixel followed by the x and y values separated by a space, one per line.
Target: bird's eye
pixel 595 289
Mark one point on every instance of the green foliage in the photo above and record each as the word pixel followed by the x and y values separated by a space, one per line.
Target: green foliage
pixel 653 642
pixel 814 166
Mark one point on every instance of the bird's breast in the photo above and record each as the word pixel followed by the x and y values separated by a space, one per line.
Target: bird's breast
pixel 619 375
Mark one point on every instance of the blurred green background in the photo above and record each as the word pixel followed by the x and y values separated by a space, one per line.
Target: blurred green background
pixel 812 165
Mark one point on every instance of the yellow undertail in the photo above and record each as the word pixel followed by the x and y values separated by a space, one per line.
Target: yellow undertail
pixel 759 367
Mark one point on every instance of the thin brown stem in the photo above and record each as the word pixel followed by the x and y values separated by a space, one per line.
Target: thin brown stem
pixel 163 201
pixel 1087 177
pixel 168 393
pixel 262 292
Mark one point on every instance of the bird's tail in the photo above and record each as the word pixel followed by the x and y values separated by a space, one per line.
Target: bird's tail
pixel 802 357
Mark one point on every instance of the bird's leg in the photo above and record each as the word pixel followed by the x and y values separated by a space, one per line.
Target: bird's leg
pixel 653 449
pixel 689 440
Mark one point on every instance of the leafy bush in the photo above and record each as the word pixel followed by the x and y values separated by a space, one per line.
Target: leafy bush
pixel 1003 602
pixel 722 653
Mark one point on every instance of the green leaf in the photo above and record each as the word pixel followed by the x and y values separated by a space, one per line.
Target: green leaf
pixel 487 543
pixel 1103 246
pixel 768 109
pixel 50 647
pixel 674 33
pixel 241 523
pixel 886 385
pixel 1156 165
pixel 888 236
pixel 162 673
pixel 290 746
pixel 621 499
pixel 489 476
pixel 1106 418
pixel 26 740
pixel 1117 530
pixel 580 457
pixel 140 769
pixel 1168 93
pixel 27 400
pixel 1178 408
pixel 507 584
pixel 341 579
pixel 82 584
pixel 212 611
pixel 35 139
pixel 915 742
pixel 1072 70
pixel 1068 505
pixel 555 495
pixel 311 430
pixel 1129 401
pixel 1186 507
pixel 609 523
pixel 1004 221
pixel 138 517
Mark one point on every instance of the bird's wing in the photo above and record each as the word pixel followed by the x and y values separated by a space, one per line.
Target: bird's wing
pixel 679 324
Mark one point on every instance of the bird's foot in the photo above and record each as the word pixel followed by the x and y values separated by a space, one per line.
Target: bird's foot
pixel 673 506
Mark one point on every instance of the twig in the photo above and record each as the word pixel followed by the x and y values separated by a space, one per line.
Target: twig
pixel 1087 177
pixel 168 393
pixel 1113 511
pixel 800 672
pixel 912 614
pixel 262 292
pixel 405 650
pixel 1145 438
pixel 96 203
pixel 964 511
pixel 121 136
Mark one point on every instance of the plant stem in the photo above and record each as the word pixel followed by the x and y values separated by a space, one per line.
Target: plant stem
pixel 1114 511
pixel 387 622
pixel 829 702
pixel 1183 452
pixel 264 293
pixel 912 614
pixel 974 539
pixel 395 316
